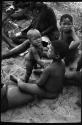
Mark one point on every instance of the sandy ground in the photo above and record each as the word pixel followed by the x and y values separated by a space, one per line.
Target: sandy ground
pixel 60 110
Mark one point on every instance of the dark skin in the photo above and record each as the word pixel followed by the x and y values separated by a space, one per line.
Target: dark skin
pixel 45 87
pixel 42 25
pixel 67 30
pixel 52 78
pixel 49 84
pixel 69 36
pixel 19 49
pixel 31 59
pixel 40 22
pixel 37 57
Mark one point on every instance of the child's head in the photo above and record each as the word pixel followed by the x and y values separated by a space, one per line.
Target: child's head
pixel 66 22
pixel 35 37
pixel 60 49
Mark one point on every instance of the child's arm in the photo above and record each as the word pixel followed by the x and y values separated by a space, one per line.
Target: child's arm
pixel 44 77
pixel 37 58
pixel 76 40
pixel 46 55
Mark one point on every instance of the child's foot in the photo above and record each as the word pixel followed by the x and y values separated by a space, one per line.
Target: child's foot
pixel 13 78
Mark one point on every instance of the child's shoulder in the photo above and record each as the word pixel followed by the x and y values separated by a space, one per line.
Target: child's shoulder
pixel 33 49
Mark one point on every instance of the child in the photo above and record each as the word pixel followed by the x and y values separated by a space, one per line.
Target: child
pixel 70 38
pixel 51 80
pixel 48 86
pixel 35 52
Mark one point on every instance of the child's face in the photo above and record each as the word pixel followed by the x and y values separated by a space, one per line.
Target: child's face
pixel 36 40
pixel 66 25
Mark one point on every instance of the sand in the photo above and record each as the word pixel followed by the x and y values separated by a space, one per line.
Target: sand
pixel 60 110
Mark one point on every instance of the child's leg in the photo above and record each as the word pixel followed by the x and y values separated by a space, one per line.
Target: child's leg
pixel 29 68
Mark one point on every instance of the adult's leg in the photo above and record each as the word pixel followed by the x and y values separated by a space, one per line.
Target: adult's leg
pixel 16 97
pixel 34 89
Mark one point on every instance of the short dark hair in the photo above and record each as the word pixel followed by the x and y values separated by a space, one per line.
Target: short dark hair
pixel 66 16
pixel 61 48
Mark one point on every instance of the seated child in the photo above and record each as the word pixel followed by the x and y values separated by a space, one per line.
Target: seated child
pixel 48 86
pixel 34 53
pixel 70 38
pixel 51 80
